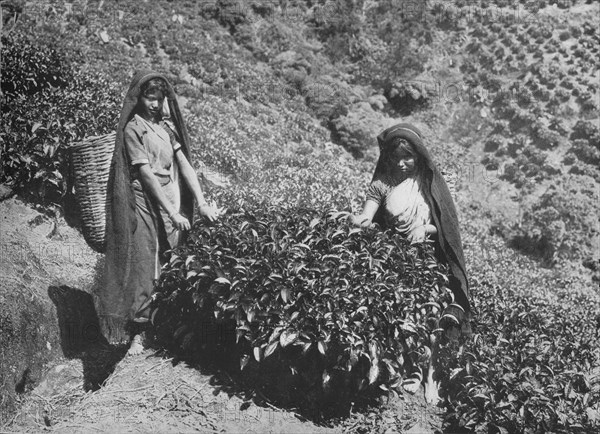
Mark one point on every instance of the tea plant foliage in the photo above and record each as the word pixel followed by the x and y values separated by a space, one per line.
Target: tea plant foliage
pixel 328 300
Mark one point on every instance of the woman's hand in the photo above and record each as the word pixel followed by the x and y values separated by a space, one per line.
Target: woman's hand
pixel 365 218
pixel 209 212
pixel 361 220
pixel 180 222
pixel 417 235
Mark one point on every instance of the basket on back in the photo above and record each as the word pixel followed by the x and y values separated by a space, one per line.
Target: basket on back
pixel 90 165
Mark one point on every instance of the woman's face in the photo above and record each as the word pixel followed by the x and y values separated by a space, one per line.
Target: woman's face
pixel 151 105
pixel 403 161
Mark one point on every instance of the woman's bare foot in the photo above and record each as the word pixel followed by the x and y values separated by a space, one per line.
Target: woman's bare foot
pixel 136 347
pixel 431 389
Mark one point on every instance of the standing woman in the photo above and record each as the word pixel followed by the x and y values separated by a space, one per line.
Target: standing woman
pixel 409 192
pixel 151 192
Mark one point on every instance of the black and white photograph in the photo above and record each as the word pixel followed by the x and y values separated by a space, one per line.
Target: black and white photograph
pixel 300 216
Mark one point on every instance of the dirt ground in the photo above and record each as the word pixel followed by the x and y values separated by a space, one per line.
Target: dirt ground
pixel 37 255
pixel 147 393
pixel 57 375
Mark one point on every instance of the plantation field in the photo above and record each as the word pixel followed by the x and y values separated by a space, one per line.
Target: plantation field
pixel 281 317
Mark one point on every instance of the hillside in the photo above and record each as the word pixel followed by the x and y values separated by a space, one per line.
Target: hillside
pixel 285 100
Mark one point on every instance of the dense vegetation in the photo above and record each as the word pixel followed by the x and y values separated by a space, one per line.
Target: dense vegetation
pixel 48 103
pixel 342 310
pixel 268 89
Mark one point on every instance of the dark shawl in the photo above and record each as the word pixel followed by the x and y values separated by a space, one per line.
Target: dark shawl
pixel 437 194
pixel 114 299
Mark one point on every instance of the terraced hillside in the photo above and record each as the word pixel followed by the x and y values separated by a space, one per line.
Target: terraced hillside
pixel 283 100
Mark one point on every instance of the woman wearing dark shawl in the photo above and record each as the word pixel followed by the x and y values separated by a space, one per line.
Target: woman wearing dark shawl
pixel 151 192
pixel 409 192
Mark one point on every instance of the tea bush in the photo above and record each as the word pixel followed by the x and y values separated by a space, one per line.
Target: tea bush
pixel 346 311
pixel 588 131
pixel 257 132
pixel 561 222
pixel 529 369
pixel 544 138
pixel 28 68
pixel 50 105
pixel 585 152
pixel 295 173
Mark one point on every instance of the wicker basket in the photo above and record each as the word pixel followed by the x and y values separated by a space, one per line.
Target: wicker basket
pixel 90 167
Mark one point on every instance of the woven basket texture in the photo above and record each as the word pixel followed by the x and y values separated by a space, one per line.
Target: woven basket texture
pixel 90 165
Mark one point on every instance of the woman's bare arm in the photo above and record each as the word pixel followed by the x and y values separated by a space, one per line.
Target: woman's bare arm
pixel 419 234
pixel 191 179
pixel 430 229
pixel 152 186
pixel 365 218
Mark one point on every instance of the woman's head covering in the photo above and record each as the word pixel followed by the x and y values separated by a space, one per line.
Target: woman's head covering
pixel 114 299
pixel 440 200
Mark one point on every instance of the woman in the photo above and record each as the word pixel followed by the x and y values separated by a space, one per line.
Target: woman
pixel 151 193
pixel 409 192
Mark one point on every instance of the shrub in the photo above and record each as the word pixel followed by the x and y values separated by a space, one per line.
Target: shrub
pixel 567 83
pixel 569 159
pixel 585 170
pixel 586 130
pixel 557 124
pixel 40 120
pixel 522 119
pixel 525 97
pixel 529 165
pixel 518 144
pixel 230 13
pixel 563 95
pixel 407 97
pixel 28 68
pixel 343 311
pixel 500 127
pixel 513 174
pixel 491 162
pixel 589 104
pixel 493 143
pixel 580 53
pixel 564 35
pixel 356 131
pixel 528 370
pixel 561 222
pixel 585 152
pixel 542 94
pixel 545 138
